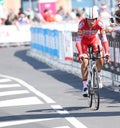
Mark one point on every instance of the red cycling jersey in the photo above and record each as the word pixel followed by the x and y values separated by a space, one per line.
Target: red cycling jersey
pixel 91 36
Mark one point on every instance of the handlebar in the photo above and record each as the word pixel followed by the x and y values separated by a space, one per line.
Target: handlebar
pixel 106 58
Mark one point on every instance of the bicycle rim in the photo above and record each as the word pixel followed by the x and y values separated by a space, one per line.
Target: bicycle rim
pixel 96 94
pixel 90 98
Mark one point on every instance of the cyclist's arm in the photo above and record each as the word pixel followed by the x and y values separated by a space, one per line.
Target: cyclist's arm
pixel 79 38
pixel 103 37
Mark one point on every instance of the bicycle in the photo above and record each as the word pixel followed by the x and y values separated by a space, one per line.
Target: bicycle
pixel 93 78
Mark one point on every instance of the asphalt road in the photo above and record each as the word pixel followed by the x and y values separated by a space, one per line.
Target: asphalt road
pixel 32 94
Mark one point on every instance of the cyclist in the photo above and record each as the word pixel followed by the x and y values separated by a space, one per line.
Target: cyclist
pixel 88 33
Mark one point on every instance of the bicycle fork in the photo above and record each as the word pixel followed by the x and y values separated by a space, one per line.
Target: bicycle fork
pixel 91 68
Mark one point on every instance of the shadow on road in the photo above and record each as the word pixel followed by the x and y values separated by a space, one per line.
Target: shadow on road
pixel 63 76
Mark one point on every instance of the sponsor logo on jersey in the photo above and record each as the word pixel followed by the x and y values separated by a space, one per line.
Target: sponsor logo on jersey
pixel 79 32
pixel 80 25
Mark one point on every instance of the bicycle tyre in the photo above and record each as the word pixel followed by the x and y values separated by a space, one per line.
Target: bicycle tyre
pixel 90 96
pixel 96 92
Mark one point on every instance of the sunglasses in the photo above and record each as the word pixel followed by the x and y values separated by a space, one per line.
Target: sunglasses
pixel 92 19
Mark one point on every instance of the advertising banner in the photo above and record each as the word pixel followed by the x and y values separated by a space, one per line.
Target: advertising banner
pixel 47 5
pixel 14 34
pixel 68 48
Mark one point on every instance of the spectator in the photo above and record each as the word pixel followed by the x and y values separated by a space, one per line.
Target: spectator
pixel 20 11
pixel 82 13
pixel 67 17
pixel 73 14
pixel 48 16
pixel 78 13
pixel 116 26
pixel 104 14
pixel 8 21
pixel 29 13
pixel 38 18
pixel 58 16
pixel 23 19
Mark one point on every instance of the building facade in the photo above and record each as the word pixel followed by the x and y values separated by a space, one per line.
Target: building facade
pixel 66 4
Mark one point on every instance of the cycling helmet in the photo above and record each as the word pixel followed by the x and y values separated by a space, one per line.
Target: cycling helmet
pixel 91 13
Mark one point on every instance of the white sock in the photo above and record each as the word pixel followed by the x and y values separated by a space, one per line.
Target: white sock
pixel 85 84
pixel 99 74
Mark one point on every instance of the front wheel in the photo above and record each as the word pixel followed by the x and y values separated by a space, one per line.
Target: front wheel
pixel 96 94
pixel 90 96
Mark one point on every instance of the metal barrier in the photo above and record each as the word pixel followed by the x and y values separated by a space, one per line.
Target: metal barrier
pixel 58 46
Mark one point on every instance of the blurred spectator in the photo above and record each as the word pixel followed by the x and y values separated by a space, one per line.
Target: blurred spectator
pixel 73 14
pixel 58 16
pixel 82 13
pixel 2 14
pixel 23 19
pixel 67 17
pixel 48 16
pixel 116 26
pixel 29 13
pixel 1 23
pixel 8 21
pixel 117 6
pixel 38 18
pixel 78 13
pixel 61 11
pixel 104 14
pixel 11 15
pixel 20 11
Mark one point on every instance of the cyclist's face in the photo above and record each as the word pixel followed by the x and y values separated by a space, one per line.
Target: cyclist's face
pixel 91 22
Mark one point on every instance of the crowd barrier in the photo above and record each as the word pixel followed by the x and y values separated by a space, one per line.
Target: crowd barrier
pixel 11 34
pixel 55 44
pixel 58 42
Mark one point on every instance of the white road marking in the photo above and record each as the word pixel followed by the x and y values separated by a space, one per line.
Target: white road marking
pixel 27 101
pixel 72 120
pixel 9 85
pixel 19 122
pixel 4 80
pixel 63 127
pixel 20 102
pixel 6 93
pixel 32 89
pixel 76 123
pixel 57 107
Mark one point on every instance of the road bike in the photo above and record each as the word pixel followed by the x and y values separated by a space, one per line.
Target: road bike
pixel 93 78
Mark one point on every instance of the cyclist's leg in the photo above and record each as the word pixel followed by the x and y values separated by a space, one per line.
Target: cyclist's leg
pixel 99 65
pixel 100 62
pixel 84 70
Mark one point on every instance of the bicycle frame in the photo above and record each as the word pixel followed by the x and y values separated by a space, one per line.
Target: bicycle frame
pixel 93 83
pixel 91 67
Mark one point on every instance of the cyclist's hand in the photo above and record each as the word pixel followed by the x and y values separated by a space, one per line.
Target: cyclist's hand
pixel 80 58
pixel 107 57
